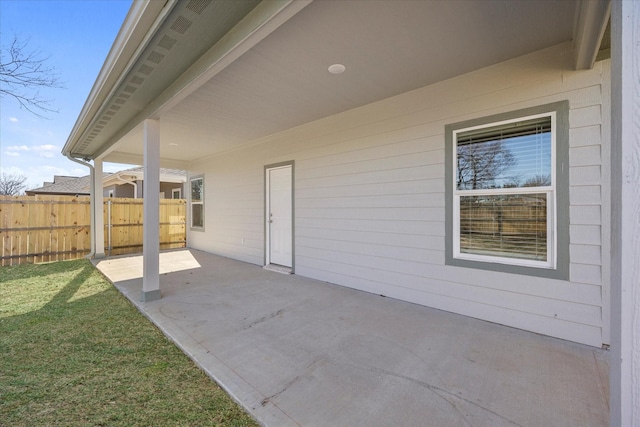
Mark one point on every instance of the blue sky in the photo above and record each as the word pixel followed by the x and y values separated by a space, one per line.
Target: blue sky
pixel 76 35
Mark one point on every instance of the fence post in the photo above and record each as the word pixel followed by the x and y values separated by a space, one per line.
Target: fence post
pixel 109 225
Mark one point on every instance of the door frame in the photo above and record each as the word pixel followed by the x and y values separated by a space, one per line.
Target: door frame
pixel 267 237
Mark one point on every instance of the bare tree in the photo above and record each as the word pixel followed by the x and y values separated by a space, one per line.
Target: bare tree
pixel 23 73
pixel 12 184
pixel 480 164
pixel 538 181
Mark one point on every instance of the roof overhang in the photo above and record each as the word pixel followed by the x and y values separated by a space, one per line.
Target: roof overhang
pixel 139 24
pixel 161 54
pixel 219 74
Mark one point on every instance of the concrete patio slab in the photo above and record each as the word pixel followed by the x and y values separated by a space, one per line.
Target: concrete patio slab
pixel 299 352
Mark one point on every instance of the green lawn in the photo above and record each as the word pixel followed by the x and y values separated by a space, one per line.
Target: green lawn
pixel 73 351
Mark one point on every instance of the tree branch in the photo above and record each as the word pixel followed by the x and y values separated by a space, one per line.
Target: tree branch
pixel 23 73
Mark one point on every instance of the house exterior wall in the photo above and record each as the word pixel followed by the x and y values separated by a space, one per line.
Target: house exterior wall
pixel 127 190
pixel 370 198
pixel 106 190
pixel 122 190
pixel 140 186
pixel 167 187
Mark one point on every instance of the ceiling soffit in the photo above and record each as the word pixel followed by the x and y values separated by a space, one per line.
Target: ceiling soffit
pixel 388 47
pixel 190 29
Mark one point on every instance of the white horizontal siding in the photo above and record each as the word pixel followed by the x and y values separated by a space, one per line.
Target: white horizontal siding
pixel 585 156
pixel 231 226
pixel 363 229
pixel 587 135
pixel 585 175
pixel 586 273
pixel 387 201
pixel 585 195
pixel 419 186
pixel 586 215
pixel 585 234
pixel 369 198
pixel 586 254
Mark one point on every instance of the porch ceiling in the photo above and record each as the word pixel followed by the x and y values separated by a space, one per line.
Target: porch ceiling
pixel 388 47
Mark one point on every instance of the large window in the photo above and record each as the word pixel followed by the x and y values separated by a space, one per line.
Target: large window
pixel 197 202
pixel 504 192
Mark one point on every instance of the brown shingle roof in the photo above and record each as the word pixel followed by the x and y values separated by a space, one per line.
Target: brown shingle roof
pixel 68 186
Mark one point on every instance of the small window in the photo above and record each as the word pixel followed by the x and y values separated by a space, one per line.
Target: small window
pixel 176 193
pixel 504 193
pixel 197 202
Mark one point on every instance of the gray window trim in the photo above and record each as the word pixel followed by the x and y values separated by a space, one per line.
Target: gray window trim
pixel 190 213
pixel 562 192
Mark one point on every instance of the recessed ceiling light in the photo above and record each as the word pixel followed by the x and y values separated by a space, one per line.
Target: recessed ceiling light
pixel 173 144
pixel 337 69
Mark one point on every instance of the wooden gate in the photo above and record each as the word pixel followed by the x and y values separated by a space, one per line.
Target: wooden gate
pixel 123 225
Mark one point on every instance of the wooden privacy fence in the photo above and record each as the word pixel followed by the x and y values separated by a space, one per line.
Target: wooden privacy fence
pixel 123 225
pixel 43 228
pixel 50 228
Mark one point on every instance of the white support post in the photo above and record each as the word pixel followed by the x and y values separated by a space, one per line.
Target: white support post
pixel 98 206
pixel 151 203
pixel 92 210
pixel 625 214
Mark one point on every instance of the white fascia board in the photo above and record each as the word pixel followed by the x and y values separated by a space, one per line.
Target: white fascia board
pixel 175 179
pixel 116 178
pixel 143 18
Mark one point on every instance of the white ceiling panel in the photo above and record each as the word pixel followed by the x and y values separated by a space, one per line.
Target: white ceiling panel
pixel 388 47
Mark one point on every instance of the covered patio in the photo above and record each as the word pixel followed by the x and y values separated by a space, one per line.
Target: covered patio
pixel 323 137
pixel 296 351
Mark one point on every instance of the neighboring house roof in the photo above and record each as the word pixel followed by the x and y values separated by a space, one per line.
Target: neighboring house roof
pixel 73 185
pixel 58 179
pixel 64 185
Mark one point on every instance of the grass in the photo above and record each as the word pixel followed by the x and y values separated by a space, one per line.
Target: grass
pixel 74 351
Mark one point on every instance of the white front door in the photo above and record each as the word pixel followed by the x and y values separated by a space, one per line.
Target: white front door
pixel 279 216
